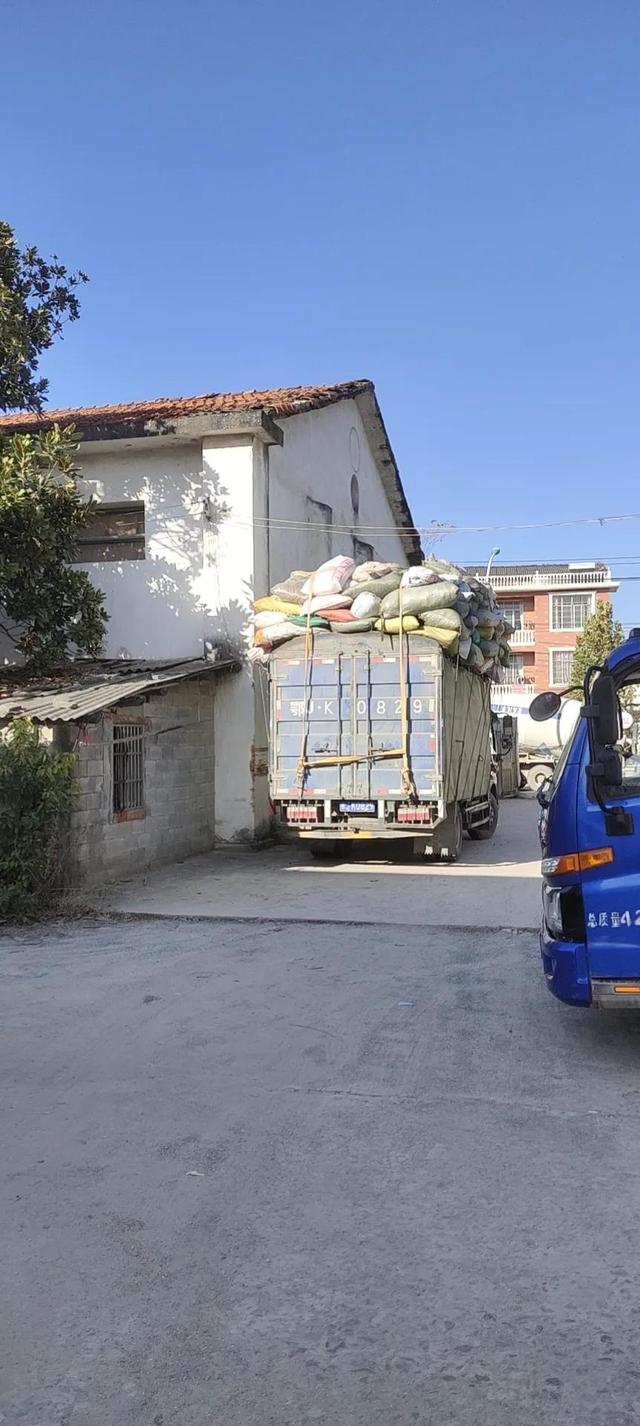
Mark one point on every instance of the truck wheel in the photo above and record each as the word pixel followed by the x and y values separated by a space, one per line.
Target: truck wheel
pixel 446 843
pixel 324 850
pixel 485 833
pixel 537 774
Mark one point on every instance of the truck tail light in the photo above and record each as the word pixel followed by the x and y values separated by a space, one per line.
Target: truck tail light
pixel 302 813
pixel 413 814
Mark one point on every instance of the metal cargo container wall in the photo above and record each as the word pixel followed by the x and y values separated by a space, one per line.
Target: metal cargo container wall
pixel 466 725
pixel 344 702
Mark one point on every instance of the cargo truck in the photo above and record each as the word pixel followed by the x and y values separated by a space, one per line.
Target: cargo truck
pixel 380 736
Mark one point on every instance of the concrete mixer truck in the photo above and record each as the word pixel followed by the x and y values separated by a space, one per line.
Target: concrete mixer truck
pixel 539 744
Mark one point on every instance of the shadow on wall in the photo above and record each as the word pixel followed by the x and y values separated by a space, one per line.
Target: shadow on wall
pixel 185 533
pixel 178 583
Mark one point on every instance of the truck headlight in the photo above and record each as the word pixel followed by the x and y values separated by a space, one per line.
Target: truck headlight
pixel 563 912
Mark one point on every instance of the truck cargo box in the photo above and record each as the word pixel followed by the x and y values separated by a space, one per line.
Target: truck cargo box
pixel 359 725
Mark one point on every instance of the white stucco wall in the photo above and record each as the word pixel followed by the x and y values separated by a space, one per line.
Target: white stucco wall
pixel 322 450
pixel 187 587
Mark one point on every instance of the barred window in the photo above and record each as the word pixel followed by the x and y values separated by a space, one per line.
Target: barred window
pixel 514 612
pixel 571 611
pixel 128 768
pixel 561 664
pixel 114 532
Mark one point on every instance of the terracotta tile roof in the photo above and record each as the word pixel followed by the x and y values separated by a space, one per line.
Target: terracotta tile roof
pixel 285 401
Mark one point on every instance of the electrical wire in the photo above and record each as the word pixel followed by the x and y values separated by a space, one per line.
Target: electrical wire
pixel 432 529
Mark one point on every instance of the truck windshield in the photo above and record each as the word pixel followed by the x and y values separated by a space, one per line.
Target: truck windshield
pixel 629 744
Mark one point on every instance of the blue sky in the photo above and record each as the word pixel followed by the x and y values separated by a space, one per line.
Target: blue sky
pixel 440 195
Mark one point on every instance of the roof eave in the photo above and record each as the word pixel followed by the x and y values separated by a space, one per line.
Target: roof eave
pixel 253 425
pixel 377 436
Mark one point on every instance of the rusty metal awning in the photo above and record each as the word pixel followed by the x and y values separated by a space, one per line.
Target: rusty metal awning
pixel 79 691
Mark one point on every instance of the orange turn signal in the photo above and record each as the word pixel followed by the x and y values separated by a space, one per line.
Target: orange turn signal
pixel 626 989
pixel 577 861
pixel 598 857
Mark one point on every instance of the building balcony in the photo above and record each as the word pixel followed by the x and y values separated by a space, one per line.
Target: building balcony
pixel 553 579
pixel 523 638
pixel 524 686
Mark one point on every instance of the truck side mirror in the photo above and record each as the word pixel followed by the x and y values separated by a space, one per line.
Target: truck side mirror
pixel 544 705
pixel 507 723
pixel 604 711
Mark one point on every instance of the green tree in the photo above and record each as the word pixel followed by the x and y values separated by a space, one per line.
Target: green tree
pixel 37 296
pixel 37 791
pixel 48 609
pixel 601 634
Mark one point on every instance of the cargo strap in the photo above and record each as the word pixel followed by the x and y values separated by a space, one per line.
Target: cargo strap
pixel 406 775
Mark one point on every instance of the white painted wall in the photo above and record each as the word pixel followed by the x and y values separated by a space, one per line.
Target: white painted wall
pixel 322 450
pixel 188 587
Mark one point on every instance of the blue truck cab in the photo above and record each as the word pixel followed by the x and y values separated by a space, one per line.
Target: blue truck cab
pixel 590 838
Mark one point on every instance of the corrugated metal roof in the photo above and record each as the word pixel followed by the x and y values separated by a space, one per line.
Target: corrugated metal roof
pixel 74 694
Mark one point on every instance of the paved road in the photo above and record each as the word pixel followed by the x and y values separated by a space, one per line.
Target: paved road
pixel 281 1175
pixel 495 883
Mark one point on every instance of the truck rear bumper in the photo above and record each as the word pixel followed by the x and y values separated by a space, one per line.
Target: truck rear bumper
pixel 566 970
pixel 616 994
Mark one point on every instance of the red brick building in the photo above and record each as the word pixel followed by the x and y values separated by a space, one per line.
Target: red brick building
pixel 548 605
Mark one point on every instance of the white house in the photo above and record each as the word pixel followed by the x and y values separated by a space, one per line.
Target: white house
pixel 203 503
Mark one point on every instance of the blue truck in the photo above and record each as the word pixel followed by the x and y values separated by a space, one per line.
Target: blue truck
pixel 590 837
pixel 378 736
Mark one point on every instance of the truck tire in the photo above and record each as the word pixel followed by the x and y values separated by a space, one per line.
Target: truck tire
pixel 537 774
pixel 485 833
pixel 325 849
pixel 446 843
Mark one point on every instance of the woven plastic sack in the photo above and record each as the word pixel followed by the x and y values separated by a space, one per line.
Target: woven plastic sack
pixel 292 589
pixel 312 621
pixel 464 649
pixel 408 623
pixel 366 606
pixel 356 626
pixel 267 619
pixel 417 574
pixel 446 638
pixel 278 634
pixel 442 619
pixel 489 648
pixel 417 601
pixel 373 569
pixel 476 657
pixel 331 577
pixel 445 569
pixel 270 603
pixel 339 616
pixel 381 587
pixel 320 602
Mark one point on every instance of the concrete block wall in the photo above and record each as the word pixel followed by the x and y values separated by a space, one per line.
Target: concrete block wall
pixel 178 787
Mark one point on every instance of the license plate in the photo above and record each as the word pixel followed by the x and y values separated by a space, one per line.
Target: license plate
pixel 359 809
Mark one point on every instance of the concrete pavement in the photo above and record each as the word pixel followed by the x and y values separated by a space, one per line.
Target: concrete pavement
pixel 311 1175
pixel 495 883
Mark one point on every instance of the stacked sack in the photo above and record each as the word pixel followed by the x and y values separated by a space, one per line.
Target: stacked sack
pixel 435 600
